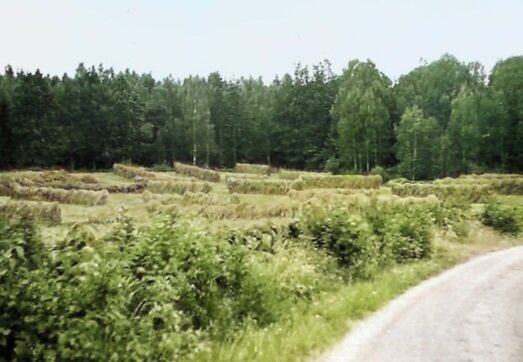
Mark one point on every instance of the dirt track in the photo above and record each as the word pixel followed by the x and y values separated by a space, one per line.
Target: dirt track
pixel 473 312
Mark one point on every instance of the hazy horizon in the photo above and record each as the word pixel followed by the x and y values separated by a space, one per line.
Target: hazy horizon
pixel 265 39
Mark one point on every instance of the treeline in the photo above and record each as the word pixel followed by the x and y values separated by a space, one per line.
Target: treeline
pixel 442 118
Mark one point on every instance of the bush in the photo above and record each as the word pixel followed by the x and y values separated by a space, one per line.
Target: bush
pixel 378 170
pixel 366 240
pixel 346 236
pixel 333 166
pixel 197 172
pixel 505 218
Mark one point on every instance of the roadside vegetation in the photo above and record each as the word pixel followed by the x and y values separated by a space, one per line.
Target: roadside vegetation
pixel 179 265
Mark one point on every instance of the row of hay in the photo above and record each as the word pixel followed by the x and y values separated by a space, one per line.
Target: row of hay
pixel 495 176
pixel 360 198
pixel 47 177
pixel 471 193
pixel 78 197
pixel 173 187
pixel 68 185
pixel 343 181
pixel 253 168
pixel 199 198
pixel 290 175
pixel 197 172
pixel 131 172
pixel 504 186
pixel 46 212
pixel 267 187
pixel 248 211
pixel 192 198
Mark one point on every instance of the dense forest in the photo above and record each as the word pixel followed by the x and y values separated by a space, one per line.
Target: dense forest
pixel 443 118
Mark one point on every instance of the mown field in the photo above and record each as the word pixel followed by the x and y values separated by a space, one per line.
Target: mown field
pixel 246 264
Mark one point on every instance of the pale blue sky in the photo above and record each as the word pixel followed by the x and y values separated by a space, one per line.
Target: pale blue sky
pixel 241 38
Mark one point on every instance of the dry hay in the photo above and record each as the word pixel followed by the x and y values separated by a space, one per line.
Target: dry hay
pixel 502 184
pixel 131 172
pixel 248 211
pixel 471 193
pixel 343 181
pixel 168 187
pixel 253 168
pixel 78 197
pixel 267 187
pixel 45 212
pixel 197 172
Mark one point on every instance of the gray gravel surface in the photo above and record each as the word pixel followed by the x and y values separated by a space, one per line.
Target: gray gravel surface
pixel 472 312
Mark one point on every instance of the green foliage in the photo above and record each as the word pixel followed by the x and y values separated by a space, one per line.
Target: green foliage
pixel 362 110
pixel 505 218
pixel 417 145
pixel 440 119
pixel 365 241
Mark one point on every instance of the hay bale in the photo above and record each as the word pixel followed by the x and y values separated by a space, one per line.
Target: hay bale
pixel 470 193
pixel 253 168
pixel 36 211
pixel 174 187
pixel 78 197
pixel 197 172
pixel 342 181
pixel 267 187
pixel 131 172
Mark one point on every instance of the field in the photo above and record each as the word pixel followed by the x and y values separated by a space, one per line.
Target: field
pixel 193 264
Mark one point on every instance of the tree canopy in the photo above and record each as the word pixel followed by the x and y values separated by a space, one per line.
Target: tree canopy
pixel 442 118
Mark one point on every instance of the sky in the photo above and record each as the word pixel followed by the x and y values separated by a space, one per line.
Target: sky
pixel 254 38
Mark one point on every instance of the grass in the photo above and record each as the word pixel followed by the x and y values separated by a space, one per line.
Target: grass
pixel 311 329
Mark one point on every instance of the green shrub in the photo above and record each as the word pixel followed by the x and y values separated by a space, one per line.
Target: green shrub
pixel 505 218
pixel 346 236
pixel 365 240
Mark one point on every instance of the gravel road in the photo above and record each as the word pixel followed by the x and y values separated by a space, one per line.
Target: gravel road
pixel 472 312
